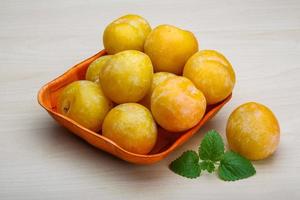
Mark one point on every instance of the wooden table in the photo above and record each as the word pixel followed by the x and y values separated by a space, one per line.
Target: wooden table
pixel 39 40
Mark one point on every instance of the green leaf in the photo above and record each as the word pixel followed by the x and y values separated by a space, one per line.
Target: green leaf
pixel 187 165
pixel 211 147
pixel 208 166
pixel 234 167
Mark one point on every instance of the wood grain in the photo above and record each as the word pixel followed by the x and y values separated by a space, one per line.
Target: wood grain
pixel 41 39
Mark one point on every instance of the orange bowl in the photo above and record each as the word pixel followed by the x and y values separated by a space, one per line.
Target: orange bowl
pixel 166 142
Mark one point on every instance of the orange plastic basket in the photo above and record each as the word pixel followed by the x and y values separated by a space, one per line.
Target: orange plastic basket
pixel 166 143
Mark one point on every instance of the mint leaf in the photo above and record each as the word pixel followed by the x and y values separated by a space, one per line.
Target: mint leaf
pixel 212 146
pixel 208 166
pixel 234 167
pixel 187 165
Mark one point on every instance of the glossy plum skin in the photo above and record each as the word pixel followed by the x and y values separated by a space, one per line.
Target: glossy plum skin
pixel 84 102
pixel 212 73
pixel 158 78
pixel 95 68
pixel 128 32
pixel 177 105
pixel 127 76
pixel 169 48
pixel 131 126
pixel 253 131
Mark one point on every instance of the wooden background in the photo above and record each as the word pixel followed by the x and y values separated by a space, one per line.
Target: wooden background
pixel 39 40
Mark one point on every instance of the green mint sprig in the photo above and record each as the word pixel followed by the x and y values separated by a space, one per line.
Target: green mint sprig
pixel 212 157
